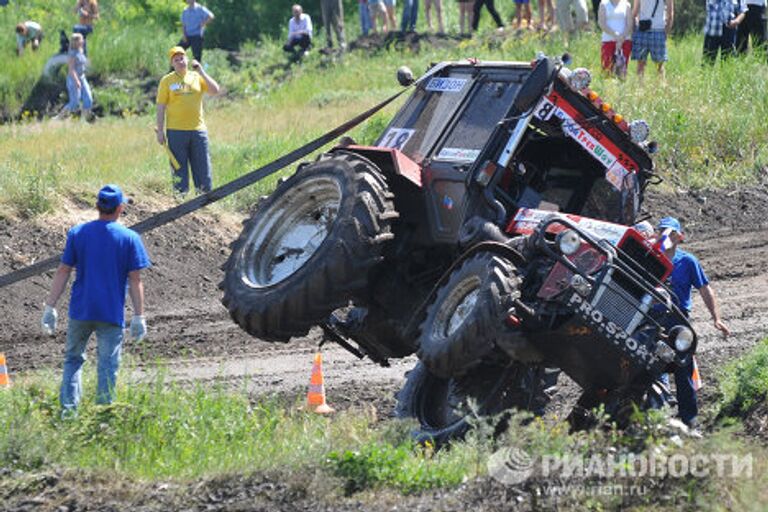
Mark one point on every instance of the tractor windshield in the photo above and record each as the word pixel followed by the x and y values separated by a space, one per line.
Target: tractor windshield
pixel 422 120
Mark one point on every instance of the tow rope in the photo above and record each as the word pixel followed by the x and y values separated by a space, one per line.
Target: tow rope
pixel 216 194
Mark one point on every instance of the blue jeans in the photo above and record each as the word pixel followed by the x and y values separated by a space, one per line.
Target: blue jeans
pixel 410 15
pixel 110 342
pixel 190 147
pixel 365 18
pixel 77 94
pixel 687 405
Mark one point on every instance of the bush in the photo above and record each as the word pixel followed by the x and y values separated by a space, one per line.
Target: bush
pixel 745 382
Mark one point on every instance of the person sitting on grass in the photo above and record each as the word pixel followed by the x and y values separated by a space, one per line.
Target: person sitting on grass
pixel 299 32
pixel 28 32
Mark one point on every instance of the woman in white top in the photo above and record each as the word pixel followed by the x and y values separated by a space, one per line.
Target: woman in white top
pixel 615 19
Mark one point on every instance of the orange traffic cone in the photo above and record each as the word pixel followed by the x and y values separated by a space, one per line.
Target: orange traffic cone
pixel 316 393
pixel 695 377
pixel 5 381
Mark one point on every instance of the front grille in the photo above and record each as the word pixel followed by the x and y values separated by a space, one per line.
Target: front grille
pixel 616 304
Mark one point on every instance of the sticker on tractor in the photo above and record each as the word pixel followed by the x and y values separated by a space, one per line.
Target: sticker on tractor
pixel 397 138
pixel 613 333
pixel 603 150
pixel 459 154
pixel 437 84
pixel 526 220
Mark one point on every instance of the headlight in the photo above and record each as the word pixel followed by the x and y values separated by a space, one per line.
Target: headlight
pixel 568 242
pixel 683 337
pixel 639 131
pixel 580 79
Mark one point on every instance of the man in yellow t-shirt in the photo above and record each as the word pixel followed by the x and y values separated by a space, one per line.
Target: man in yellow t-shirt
pixel 180 122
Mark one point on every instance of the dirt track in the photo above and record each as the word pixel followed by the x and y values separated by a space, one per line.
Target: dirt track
pixel 190 330
pixel 189 327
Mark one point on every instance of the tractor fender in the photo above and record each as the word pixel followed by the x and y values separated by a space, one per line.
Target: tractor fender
pixel 497 248
pixel 390 161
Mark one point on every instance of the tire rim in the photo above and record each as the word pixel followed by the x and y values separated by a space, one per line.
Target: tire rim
pixel 448 402
pixel 290 232
pixel 457 306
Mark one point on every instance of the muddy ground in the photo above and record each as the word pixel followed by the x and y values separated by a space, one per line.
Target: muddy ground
pixel 727 230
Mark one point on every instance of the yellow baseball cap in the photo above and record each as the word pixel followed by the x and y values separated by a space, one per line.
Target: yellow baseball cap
pixel 176 50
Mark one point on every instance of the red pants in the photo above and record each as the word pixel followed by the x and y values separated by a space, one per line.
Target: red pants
pixel 609 48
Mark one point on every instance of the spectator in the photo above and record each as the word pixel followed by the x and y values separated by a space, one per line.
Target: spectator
pixel 687 273
pixel 78 88
pixel 615 19
pixel 465 16
pixel 365 17
pixel 333 19
pixel 378 11
pixel 88 11
pixel 523 10
pixel 28 32
pixel 390 5
pixel 491 9
pixel 596 10
pixel 723 19
pixel 753 25
pixel 299 32
pixel 194 19
pixel 653 26
pixel 180 110
pixel 566 19
pixel 410 16
pixel 438 5
pixel 546 14
pixel 106 257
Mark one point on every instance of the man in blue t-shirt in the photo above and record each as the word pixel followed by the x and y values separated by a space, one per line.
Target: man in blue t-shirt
pixel 193 21
pixel 107 258
pixel 687 274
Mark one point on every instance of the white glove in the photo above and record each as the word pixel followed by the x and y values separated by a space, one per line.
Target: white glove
pixel 138 327
pixel 49 320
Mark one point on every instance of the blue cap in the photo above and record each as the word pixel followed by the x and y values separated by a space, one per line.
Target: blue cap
pixel 670 223
pixel 110 197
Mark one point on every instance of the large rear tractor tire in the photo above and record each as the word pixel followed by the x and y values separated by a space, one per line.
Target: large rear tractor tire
pixel 446 408
pixel 466 320
pixel 309 247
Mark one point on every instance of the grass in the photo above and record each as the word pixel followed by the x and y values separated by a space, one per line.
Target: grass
pixel 744 382
pixel 160 431
pixel 708 121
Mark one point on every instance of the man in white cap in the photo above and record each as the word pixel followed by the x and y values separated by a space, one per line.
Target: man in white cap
pixel 107 257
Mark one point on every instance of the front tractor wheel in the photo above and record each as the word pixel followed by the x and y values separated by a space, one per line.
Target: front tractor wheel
pixel 308 248
pixel 466 320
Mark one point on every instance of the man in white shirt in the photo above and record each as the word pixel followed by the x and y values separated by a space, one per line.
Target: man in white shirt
pixel 299 32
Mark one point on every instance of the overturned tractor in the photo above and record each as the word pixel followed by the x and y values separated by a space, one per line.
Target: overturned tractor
pixel 486 231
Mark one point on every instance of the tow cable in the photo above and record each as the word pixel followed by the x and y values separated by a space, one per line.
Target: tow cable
pixel 167 216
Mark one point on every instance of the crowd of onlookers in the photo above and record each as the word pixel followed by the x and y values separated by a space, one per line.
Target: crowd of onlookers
pixel 630 30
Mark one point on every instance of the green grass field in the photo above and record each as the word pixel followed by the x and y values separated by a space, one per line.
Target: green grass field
pixel 708 121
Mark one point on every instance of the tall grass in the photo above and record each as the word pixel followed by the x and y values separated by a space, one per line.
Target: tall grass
pixel 708 121
pixel 744 383
pixel 160 430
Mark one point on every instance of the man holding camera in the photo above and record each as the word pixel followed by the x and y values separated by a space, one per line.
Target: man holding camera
pixel 180 112
pixel 654 22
